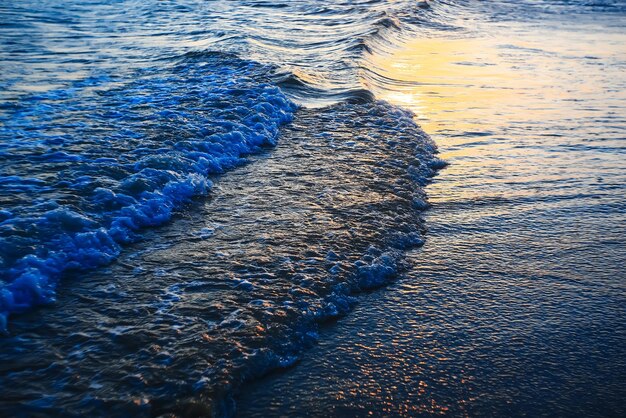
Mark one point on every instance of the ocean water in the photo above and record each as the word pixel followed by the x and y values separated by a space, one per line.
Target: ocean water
pixel 190 189
pixel 516 304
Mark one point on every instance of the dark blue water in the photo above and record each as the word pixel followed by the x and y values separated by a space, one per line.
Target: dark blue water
pixel 188 189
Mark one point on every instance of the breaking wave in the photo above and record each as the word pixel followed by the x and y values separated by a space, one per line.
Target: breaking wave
pixel 102 164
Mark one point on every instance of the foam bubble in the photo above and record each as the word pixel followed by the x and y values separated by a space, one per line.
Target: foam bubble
pixel 81 195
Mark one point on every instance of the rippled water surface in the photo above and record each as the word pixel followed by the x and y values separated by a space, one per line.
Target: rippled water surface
pixel 516 305
pixel 189 189
pixel 118 118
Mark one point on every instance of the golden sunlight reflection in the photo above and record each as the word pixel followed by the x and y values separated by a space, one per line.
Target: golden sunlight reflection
pixel 492 103
pixel 470 84
pixel 448 83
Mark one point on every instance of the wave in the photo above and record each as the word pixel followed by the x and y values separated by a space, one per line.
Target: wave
pixel 104 162
pixel 239 286
pixel 89 164
pixel 135 135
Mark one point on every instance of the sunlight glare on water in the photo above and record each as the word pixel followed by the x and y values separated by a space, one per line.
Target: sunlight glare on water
pixel 507 101
pixel 516 304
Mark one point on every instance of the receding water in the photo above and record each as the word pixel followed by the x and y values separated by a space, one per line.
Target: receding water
pixel 189 189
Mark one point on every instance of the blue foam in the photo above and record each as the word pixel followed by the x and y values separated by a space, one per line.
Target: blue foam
pixel 81 190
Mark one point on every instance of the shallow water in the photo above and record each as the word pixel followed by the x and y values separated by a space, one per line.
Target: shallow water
pixel 152 265
pixel 234 286
pixel 516 304
pixel 111 124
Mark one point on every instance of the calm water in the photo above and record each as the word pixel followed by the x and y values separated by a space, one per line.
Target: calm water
pixel 189 189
